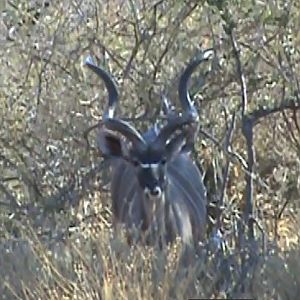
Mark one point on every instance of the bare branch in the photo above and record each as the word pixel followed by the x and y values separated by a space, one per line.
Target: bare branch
pixel 262 112
pixel 227 145
pixel 236 52
pixel 293 138
pixel 233 156
pixel 13 203
pixel 247 129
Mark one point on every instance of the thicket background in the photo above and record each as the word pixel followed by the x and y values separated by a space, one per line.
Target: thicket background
pixel 56 240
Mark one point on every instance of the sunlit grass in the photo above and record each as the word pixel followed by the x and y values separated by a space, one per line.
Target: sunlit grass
pixel 105 267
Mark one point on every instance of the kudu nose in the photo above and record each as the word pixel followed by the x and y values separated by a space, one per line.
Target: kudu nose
pixel 156 192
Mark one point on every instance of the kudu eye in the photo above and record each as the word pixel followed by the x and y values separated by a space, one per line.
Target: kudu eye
pixel 163 161
pixel 135 162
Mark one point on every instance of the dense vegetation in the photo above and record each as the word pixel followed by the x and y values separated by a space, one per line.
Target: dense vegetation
pixel 56 240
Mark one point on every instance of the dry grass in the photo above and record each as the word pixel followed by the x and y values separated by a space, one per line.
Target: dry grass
pixel 104 267
pixel 56 240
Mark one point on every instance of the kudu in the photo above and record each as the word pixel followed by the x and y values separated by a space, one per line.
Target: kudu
pixel 156 189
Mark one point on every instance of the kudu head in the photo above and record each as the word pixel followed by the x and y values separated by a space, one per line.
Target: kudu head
pixel 149 156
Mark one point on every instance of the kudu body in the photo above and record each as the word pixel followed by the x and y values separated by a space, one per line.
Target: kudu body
pixel 157 190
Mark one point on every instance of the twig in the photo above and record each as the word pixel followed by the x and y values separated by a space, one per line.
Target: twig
pixel 236 52
pixel 227 145
pixel 13 203
pixel 293 138
pixel 262 233
pixel 295 119
pixel 247 130
pixel 261 112
pixel 67 195
pixel 234 157
pixel 286 202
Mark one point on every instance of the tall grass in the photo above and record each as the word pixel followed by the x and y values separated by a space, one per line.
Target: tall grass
pixel 105 267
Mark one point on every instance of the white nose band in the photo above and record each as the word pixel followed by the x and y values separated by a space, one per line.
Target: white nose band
pixel 155 193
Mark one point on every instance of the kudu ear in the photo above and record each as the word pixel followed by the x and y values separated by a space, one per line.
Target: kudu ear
pixel 110 144
pixel 175 146
pixel 182 142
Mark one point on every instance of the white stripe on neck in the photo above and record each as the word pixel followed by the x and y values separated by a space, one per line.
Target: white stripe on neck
pixel 150 166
